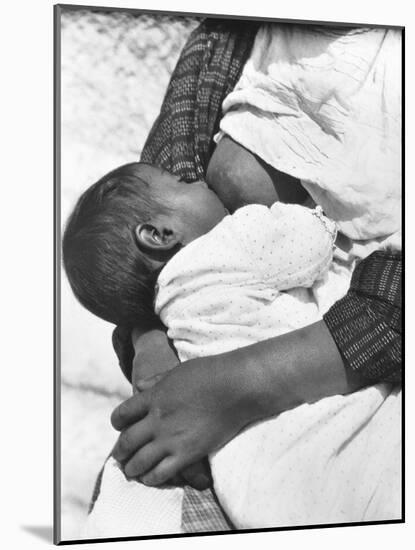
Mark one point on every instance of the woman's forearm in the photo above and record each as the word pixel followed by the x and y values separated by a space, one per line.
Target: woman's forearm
pixel 262 379
pixel 281 373
pixel 194 410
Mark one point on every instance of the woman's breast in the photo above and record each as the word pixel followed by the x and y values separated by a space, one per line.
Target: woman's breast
pixel 239 178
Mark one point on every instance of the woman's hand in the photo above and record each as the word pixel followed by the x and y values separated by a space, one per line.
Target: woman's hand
pixel 183 415
pixel 178 418
pixel 154 356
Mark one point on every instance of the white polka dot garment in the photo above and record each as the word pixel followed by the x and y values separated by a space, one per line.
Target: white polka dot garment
pixel 248 279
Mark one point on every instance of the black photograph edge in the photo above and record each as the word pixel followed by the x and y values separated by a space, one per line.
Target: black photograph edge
pixel 57 12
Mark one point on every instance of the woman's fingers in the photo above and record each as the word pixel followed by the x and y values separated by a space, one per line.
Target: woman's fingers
pixel 145 459
pixel 163 472
pixel 131 440
pixel 135 408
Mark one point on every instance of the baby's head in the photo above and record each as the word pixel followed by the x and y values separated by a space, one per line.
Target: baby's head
pixel 124 228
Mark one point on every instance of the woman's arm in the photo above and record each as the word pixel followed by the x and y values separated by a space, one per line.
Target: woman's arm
pixel 295 368
pixel 198 407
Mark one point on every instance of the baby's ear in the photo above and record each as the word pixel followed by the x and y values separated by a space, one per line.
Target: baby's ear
pixel 155 238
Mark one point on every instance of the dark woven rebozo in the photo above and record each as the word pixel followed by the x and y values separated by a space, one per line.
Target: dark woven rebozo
pixel 181 139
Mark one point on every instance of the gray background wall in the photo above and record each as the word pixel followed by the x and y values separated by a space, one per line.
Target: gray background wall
pixel 115 70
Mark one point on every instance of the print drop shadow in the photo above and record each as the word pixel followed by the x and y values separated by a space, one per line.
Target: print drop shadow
pixel 44 532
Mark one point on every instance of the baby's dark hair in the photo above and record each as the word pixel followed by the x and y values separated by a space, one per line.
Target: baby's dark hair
pixel 107 271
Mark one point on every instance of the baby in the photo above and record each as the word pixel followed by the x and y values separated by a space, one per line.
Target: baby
pixel 122 232
pixel 127 226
